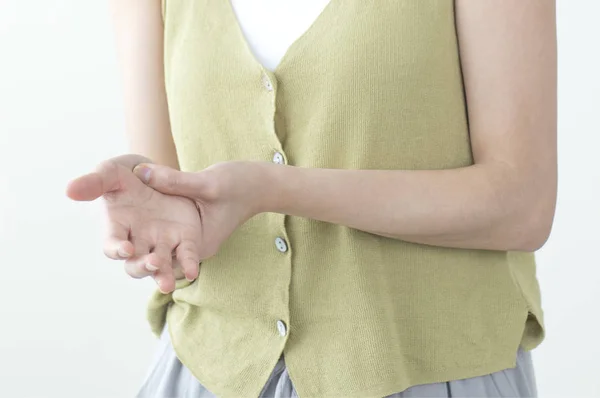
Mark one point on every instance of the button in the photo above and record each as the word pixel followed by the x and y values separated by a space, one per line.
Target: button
pixel 281 328
pixel 281 245
pixel 278 158
pixel 267 82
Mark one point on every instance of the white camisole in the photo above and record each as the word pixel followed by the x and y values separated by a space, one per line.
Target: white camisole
pixel 271 26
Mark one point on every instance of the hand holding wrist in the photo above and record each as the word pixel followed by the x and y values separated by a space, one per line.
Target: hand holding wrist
pixel 250 187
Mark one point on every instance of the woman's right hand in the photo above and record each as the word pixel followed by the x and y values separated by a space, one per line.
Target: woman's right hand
pixel 157 235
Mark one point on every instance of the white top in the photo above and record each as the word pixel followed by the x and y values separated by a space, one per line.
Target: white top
pixel 271 26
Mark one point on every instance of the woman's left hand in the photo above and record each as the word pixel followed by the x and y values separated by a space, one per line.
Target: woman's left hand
pixel 227 194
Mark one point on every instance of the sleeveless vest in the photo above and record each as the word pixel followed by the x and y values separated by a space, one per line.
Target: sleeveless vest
pixel 370 85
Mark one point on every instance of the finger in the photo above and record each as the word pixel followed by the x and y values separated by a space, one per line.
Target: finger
pixel 136 267
pixel 161 257
pixel 187 255
pixel 160 261
pixel 164 280
pixel 142 246
pixel 86 188
pixel 116 244
pixel 170 181
pixel 93 185
pixel 105 179
pixel 178 270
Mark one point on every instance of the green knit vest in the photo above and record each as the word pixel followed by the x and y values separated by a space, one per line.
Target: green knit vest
pixel 370 85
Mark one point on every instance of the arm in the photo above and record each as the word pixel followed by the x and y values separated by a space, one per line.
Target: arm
pixel 139 32
pixel 506 200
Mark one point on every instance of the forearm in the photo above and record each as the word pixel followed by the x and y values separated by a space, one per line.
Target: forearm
pixel 481 207
pixel 139 32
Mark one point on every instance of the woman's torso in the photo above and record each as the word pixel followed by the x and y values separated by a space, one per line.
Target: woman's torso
pixel 368 85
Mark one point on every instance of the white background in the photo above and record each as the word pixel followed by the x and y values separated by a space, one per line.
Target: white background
pixel 73 325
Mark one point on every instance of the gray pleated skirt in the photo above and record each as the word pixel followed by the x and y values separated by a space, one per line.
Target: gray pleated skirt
pixel 168 378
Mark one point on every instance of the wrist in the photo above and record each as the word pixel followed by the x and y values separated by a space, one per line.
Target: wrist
pixel 270 187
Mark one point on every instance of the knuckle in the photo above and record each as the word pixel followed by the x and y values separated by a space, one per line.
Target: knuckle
pixel 190 261
pixel 106 166
pixel 171 181
pixel 213 189
pixel 154 259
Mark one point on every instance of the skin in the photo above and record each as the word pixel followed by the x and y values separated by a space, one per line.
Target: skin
pixel 145 227
pixel 139 32
pixel 504 201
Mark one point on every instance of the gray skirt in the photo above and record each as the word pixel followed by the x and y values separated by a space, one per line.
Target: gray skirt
pixel 168 378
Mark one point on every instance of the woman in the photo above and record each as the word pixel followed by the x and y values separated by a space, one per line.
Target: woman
pixel 362 182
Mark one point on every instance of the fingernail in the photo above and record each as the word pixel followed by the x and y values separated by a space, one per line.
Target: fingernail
pixel 142 172
pixel 159 286
pixel 122 252
pixel 151 267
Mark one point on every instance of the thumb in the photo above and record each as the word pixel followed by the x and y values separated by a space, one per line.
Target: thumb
pixel 167 180
pixel 86 188
pixel 93 185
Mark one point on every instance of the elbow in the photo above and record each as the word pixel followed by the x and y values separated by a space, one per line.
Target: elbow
pixel 533 227
pixel 526 205
pixel 535 238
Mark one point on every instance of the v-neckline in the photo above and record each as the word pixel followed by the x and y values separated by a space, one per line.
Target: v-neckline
pixel 294 47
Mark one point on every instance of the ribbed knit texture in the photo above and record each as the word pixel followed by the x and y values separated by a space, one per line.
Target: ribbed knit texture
pixel 371 85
